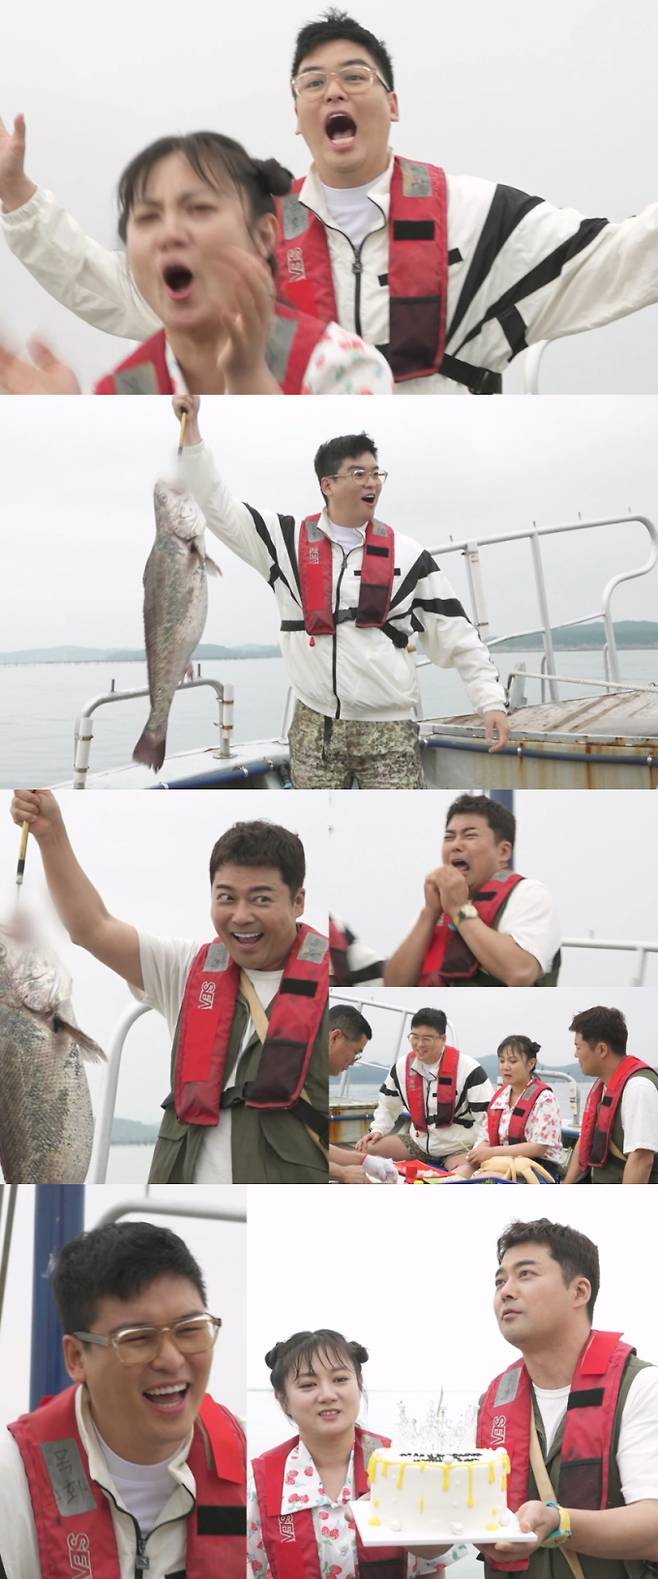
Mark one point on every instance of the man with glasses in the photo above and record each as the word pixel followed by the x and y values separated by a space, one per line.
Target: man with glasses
pixel 134 1468
pixel 449 276
pixel 445 1092
pixel 352 595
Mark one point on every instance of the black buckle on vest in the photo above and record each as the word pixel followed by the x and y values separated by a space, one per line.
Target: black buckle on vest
pixel 229 1520
pixel 233 1095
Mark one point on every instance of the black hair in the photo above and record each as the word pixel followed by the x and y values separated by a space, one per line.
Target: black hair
pixel 501 821
pixel 576 1255
pixel 337 24
pixel 602 1025
pixel 522 1045
pixel 212 157
pixel 333 452
pixel 343 1017
pixel 434 1017
pixel 298 1352
pixel 262 843
pixel 116 1261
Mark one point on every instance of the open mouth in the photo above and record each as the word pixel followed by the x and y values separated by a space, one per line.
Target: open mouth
pixel 169 1399
pixel 460 862
pixel 247 939
pixel 369 499
pixel 178 281
pixel 329 1414
pixel 340 129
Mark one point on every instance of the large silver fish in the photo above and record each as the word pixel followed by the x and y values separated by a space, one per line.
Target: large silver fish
pixel 46 1124
pixel 175 608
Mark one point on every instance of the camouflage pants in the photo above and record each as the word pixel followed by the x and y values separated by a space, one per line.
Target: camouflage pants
pixel 330 753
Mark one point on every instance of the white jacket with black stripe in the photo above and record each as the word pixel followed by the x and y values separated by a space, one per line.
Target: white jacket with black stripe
pixel 354 674
pixel 469 1125
pixel 520 270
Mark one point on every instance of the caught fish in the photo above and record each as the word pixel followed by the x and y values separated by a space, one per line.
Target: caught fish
pixel 175 608
pixel 46 1124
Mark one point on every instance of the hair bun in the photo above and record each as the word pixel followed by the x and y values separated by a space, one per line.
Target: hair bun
pixel 273 1355
pixel 535 1047
pixel 359 1353
pixel 275 178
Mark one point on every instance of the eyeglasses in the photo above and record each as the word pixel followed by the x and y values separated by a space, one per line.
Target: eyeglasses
pixel 423 1041
pixel 354 79
pixel 140 1345
pixel 359 474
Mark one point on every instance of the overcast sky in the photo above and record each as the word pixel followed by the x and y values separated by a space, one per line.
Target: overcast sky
pixel 565 109
pixel 148 856
pixel 596 853
pixel 219 1247
pixel 409 1273
pixel 77 503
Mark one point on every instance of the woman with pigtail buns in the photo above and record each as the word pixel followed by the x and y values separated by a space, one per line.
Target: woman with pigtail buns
pixel 197 217
pixel 298 1522
pixel 523 1118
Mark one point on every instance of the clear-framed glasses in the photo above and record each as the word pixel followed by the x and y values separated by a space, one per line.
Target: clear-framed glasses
pixel 424 1041
pixel 311 84
pixel 140 1345
pixel 360 474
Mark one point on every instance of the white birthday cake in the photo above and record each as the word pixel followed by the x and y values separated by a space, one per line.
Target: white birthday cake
pixel 451 1493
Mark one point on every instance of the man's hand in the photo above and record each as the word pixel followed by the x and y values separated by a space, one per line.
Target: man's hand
pixel 366 1141
pixel 15 187
pixel 452 886
pixel 46 377
pixel 496 730
pixel 245 305
pixel 432 896
pixel 536 1519
pixel 190 405
pixel 40 809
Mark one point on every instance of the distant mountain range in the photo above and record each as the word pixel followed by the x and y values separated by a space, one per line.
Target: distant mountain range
pixel 126 654
pixel 128 1132
pixel 628 633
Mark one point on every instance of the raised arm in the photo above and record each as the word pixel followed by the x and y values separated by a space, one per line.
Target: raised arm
pixel 230 520
pixel 92 281
pixel 78 903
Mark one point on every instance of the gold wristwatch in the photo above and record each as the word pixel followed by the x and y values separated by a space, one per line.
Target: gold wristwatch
pixel 466 912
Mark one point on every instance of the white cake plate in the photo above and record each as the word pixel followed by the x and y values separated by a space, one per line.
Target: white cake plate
pixel 382 1535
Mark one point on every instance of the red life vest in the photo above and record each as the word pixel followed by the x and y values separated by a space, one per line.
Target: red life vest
pixel 519 1115
pixel 446 1090
pixel 417 266
pixel 72 1517
pixel 449 958
pixel 205 1020
pixel 600 1113
pixel 293 338
pixel 289 1538
pixel 504 1421
pixel 315 577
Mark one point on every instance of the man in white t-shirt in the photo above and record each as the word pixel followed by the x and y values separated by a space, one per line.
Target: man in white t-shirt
pixel 133 1468
pixel 445 1092
pixel 618 1142
pixel 481 924
pixel 578 1415
pixel 249 1101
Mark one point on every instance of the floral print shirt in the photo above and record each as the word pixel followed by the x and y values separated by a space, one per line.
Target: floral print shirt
pixel 543 1126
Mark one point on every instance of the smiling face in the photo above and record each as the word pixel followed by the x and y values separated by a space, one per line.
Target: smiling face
pixel 427 1043
pixel 323 1398
pixel 471 845
pixel 347 134
pixel 144 1411
pixel 532 1303
pixel 352 501
pixel 177 229
pixel 255 915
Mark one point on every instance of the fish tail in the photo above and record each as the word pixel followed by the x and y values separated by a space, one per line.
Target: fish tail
pixel 150 750
pixel 90 1050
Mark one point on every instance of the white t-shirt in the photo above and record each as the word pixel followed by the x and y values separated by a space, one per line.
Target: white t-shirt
pixel 144 1488
pixel 639 1115
pixel 166 964
pixel 352 211
pixel 347 537
pixel 637 1460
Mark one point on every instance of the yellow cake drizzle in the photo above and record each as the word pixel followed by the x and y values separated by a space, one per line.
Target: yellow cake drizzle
pixel 384 1467
pixel 421 1504
pixel 446 1476
pixel 492 1473
pixel 372 1468
pixel 399 1482
pixel 376 1502
pixel 505 1472
pixel 491 1526
pixel 470 1500
pixel 374 1521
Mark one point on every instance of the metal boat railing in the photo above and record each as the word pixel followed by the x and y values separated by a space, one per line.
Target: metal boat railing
pixel 103 1137
pixel 84 727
